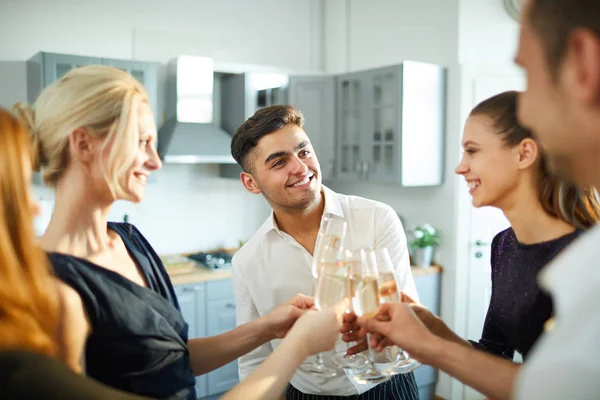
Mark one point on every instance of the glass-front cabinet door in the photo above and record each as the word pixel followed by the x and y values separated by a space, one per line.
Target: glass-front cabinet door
pixel 57 65
pixel 351 117
pixel 147 74
pixel 381 163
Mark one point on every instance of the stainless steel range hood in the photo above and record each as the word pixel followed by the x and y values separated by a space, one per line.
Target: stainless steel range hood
pixel 189 135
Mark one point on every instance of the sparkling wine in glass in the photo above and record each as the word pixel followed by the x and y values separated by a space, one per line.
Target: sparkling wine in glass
pixel 329 285
pixel 351 259
pixel 366 304
pixel 388 293
pixel 331 233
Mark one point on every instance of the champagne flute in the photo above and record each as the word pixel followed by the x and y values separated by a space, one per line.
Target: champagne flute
pixel 351 262
pixel 330 283
pixel 326 236
pixel 402 363
pixel 366 304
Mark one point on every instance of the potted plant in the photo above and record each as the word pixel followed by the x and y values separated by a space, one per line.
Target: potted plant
pixel 425 239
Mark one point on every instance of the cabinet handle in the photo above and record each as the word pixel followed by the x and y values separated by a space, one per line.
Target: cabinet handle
pixel 230 305
pixel 359 168
pixel 192 289
pixel 366 168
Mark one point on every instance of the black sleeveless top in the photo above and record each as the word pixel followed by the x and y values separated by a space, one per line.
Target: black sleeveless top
pixel 518 306
pixel 139 338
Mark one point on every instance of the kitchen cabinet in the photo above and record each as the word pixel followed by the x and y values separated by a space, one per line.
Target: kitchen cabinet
pixel 147 74
pixel 428 287
pixel 193 307
pixel 209 309
pixel 391 124
pixel 351 114
pixel 220 314
pixel 46 68
pixel 244 94
pixel 314 96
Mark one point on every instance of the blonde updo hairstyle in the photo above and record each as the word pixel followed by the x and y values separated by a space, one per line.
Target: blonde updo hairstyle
pixel 102 100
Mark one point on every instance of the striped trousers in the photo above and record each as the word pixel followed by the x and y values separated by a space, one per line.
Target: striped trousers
pixel 400 387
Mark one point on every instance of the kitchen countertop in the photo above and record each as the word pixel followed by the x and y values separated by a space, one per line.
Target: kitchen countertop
pixel 200 274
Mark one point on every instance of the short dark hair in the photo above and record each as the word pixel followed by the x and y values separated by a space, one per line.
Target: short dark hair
pixel 265 121
pixel 555 20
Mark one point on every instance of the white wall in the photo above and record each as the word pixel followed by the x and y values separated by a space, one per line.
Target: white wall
pixel 270 32
pixel 364 34
pixel 487 35
pixel 188 208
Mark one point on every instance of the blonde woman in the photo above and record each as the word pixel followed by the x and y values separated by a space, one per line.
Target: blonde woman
pixel 94 136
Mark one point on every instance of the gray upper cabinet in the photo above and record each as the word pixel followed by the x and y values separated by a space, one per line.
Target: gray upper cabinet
pixel 391 124
pixel 314 96
pixel 147 74
pixel 351 119
pixel 46 68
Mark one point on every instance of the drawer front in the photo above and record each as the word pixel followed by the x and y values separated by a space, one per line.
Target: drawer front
pixel 221 289
pixel 221 318
pixel 223 379
pixel 428 287
pixel 425 375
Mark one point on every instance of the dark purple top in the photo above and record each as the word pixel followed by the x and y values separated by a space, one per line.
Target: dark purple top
pixel 518 308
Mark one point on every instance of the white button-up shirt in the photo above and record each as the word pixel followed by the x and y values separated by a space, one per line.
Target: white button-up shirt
pixel 565 362
pixel 272 267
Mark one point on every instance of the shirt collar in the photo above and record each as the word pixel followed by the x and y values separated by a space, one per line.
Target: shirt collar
pixel 332 206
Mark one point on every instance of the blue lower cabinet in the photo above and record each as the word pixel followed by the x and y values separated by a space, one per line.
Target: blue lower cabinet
pixel 192 301
pixel 220 317
pixel 428 287
pixel 209 309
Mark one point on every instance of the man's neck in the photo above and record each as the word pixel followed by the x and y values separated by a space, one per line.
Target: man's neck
pixel 300 223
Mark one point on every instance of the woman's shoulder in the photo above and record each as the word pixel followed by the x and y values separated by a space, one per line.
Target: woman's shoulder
pixel 503 237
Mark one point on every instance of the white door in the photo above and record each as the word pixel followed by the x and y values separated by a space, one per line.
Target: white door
pixel 480 224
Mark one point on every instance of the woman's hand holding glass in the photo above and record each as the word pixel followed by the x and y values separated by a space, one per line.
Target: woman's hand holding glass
pixel 317 331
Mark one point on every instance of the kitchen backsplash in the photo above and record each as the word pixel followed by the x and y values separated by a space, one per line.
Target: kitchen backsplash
pixel 188 208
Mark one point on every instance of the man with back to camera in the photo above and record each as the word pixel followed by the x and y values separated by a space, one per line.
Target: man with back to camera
pixel 278 161
pixel 559 48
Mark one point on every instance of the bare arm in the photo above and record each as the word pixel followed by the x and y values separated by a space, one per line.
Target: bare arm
pixel 207 354
pixel 270 379
pixel 435 324
pixel 74 328
pixel 493 376
pixel 315 331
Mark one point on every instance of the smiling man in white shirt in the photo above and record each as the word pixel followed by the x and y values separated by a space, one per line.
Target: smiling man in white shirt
pixel 279 163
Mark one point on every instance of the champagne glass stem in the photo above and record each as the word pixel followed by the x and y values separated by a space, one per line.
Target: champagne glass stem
pixel 371 354
pixel 320 359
